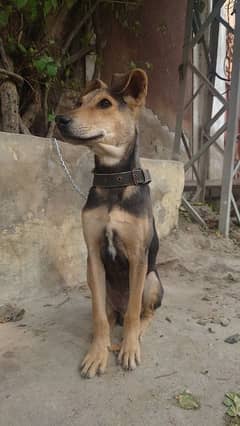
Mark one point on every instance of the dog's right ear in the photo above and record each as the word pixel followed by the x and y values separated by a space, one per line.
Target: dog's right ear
pixel 94 85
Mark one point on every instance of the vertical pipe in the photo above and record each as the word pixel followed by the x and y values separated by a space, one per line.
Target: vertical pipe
pixel 226 191
pixel 183 79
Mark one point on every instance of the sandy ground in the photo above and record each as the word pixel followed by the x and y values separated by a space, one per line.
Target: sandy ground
pixel 184 348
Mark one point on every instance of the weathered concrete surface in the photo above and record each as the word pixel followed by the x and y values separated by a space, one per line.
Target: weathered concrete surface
pixel 41 241
pixel 39 357
pixel 42 265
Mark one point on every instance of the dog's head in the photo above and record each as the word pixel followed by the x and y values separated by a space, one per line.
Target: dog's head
pixel 105 120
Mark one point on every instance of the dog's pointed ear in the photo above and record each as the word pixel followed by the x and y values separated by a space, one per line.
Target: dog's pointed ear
pixel 94 85
pixel 132 86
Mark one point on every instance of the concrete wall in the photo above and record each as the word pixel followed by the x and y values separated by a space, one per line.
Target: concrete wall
pixel 41 241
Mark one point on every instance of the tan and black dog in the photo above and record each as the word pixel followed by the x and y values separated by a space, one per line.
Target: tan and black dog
pixel 117 218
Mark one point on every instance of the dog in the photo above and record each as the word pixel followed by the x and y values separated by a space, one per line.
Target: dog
pixel 118 222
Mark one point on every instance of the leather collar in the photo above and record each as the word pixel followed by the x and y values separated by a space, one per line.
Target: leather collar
pixel 122 179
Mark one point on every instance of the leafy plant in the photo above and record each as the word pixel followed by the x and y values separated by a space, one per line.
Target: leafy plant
pixel 45 43
pixel 46 66
pixel 232 402
pixel 187 401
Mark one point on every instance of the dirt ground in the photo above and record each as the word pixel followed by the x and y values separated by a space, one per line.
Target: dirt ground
pixel 184 348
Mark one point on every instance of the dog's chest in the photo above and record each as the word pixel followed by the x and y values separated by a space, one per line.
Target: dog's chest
pixel 115 230
pixel 110 241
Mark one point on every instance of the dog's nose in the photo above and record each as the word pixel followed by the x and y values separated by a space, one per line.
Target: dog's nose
pixel 62 120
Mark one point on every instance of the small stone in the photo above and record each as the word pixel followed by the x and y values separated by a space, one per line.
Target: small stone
pixel 235 338
pixel 230 277
pixel 211 330
pixel 10 312
pixel 225 322
pixel 206 298
pixel 204 372
pixel 202 321
pixel 168 319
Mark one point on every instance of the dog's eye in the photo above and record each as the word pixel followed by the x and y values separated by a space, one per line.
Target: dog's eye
pixel 104 103
pixel 78 104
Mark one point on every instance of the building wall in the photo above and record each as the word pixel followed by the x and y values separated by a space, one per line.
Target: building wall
pixel 157 47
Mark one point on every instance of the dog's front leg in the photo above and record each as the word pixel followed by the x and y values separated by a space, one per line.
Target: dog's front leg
pixel 129 355
pixel 96 359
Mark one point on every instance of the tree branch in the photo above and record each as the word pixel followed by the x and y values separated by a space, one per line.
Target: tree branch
pixel 23 128
pixel 12 74
pixel 98 33
pixel 4 57
pixel 53 124
pixel 78 55
pixel 79 26
pixel 45 106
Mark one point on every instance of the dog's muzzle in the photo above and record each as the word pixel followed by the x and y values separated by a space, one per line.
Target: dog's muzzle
pixel 62 121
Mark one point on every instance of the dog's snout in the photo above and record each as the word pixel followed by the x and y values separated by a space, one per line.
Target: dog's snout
pixel 62 120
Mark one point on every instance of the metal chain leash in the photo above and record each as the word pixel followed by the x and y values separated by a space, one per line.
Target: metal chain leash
pixel 68 174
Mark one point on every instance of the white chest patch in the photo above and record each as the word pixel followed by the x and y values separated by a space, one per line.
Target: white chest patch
pixel 111 248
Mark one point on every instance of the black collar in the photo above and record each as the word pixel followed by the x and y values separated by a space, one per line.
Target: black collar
pixel 122 179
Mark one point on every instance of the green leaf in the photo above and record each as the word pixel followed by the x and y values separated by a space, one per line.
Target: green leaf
pixel 46 66
pixel 33 7
pixel 3 18
pixel 49 5
pixel 21 3
pixel 22 48
pixel 40 64
pixel 51 117
pixel 132 65
pixel 187 401
pixel 52 69
pixel 232 401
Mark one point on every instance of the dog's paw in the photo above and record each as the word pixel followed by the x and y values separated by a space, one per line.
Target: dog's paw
pixel 95 362
pixel 129 356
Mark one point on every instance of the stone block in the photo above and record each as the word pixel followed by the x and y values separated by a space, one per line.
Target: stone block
pixel 41 241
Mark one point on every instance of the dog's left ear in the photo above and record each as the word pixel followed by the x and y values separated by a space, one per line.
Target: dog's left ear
pixel 132 86
pixel 94 85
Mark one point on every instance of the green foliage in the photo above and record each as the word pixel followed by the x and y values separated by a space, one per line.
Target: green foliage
pixel 20 3
pixel 46 66
pixel 27 30
pixel 51 117
pixel 31 9
pixel 4 15
pixel 232 402
pixel 187 401
pixel 49 6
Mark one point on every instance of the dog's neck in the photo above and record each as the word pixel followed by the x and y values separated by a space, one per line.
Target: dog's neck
pixel 129 161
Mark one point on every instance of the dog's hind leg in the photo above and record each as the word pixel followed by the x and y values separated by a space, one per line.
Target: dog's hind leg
pixel 152 299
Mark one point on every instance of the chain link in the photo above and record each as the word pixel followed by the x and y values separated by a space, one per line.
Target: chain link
pixel 63 164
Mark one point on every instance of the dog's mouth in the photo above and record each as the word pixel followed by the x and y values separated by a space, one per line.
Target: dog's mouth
pixel 82 135
pixel 82 139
